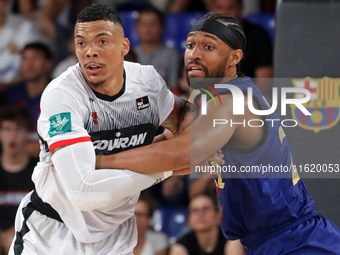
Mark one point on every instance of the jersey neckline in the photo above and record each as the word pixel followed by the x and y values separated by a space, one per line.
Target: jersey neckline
pixel 111 98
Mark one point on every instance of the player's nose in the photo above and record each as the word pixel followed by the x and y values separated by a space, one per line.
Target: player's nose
pixel 92 51
pixel 195 54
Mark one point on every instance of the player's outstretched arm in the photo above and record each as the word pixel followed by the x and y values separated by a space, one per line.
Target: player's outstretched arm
pixel 200 141
pixel 89 189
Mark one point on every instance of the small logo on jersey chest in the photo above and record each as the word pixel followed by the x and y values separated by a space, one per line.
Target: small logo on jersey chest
pixel 142 103
pixel 95 118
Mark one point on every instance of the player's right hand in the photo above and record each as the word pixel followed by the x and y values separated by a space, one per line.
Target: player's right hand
pixel 217 157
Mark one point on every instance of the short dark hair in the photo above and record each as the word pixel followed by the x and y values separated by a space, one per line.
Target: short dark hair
pixel 39 46
pixel 158 13
pixel 16 114
pixel 233 23
pixel 99 12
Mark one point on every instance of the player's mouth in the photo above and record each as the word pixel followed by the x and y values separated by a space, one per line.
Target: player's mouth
pixel 93 68
pixel 196 71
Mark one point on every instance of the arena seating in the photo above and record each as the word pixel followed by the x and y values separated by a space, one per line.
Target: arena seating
pixel 171 220
pixel 178 27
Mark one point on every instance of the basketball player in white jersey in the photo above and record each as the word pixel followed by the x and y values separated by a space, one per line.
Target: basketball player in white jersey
pixel 100 106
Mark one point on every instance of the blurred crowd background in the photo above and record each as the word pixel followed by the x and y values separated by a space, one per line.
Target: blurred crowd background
pixel 37 45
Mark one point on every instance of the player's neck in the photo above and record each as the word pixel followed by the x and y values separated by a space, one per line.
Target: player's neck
pixel 14 163
pixel 208 239
pixel 111 87
pixel 150 47
pixel 230 75
pixel 37 86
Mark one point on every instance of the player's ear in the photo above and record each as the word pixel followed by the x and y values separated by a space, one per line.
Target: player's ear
pixel 235 56
pixel 126 46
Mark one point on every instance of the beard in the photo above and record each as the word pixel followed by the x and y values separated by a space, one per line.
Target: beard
pixel 219 72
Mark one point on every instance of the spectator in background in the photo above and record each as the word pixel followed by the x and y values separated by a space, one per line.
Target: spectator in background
pixel 15 33
pixel 27 8
pixel 182 89
pixel 206 237
pixel 16 168
pixel 149 241
pixel 202 183
pixel 36 65
pixel 257 58
pixel 150 28
pixel 174 191
pixel 171 192
pixel 176 6
pixel 67 62
pixel 57 19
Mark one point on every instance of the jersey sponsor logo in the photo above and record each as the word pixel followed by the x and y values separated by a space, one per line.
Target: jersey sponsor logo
pixel 60 124
pixel 324 104
pixel 113 141
pixel 142 103
pixel 120 142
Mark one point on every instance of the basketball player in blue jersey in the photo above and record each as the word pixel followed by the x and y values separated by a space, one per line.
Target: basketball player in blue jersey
pixel 270 216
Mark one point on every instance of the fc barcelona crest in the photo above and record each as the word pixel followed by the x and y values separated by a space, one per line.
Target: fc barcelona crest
pixel 324 104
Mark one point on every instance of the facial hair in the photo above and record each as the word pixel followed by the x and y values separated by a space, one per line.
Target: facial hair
pixel 219 72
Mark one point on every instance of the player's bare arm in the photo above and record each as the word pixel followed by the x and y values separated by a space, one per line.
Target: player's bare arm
pixel 201 139
pixel 176 123
pixel 188 114
pixel 179 119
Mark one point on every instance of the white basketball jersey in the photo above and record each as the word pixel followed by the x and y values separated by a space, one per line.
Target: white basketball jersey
pixel 72 112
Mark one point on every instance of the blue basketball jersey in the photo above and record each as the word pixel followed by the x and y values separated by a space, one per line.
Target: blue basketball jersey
pixel 249 202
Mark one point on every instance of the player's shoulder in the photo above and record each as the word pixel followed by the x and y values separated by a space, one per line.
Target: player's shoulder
pixel 143 76
pixel 137 71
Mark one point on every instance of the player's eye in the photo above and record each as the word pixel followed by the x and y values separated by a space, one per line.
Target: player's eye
pixel 103 41
pixel 209 47
pixel 190 46
pixel 80 43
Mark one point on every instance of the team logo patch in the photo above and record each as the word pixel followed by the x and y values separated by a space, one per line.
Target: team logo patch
pixel 142 103
pixel 60 124
pixel 324 104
